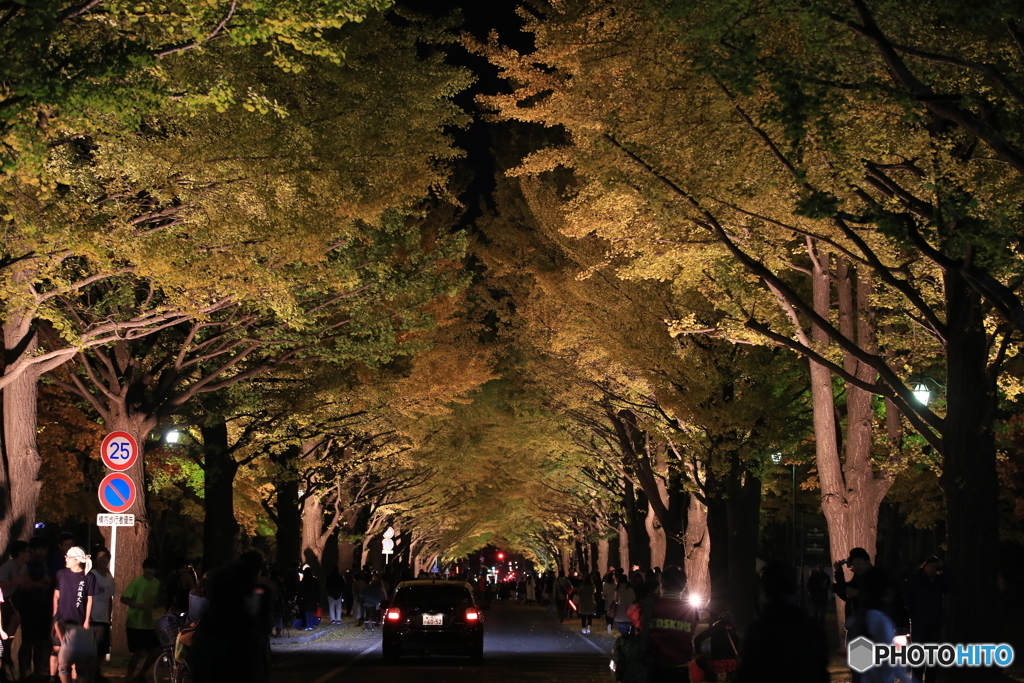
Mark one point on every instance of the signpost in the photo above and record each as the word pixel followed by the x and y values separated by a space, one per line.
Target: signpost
pixel 117 492
pixel 119 451
pixel 387 546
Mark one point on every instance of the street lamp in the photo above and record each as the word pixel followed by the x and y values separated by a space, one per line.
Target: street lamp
pixel 172 436
pixel 922 393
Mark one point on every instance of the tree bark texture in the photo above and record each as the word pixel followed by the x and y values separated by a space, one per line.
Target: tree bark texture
pixel 624 547
pixel 697 548
pixel 19 477
pixel 655 538
pixel 289 521
pixel 312 532
pixel 969 480
pixel 220 528
pixel 850 492
pixel 602 556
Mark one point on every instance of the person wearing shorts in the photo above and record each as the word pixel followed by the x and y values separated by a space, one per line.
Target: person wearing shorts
pixel 140 596
pixel 102 604
pixel 73 593
pixel 77 650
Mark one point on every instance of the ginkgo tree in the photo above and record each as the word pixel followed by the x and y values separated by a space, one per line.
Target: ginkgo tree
pixel 803 164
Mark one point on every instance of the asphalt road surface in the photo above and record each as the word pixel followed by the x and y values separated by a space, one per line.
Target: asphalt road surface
pixel 521 645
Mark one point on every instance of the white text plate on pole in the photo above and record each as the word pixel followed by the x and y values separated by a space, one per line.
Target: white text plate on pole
pixel 115 520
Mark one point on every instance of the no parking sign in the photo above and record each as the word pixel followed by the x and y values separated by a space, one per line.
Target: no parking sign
pixel 117 492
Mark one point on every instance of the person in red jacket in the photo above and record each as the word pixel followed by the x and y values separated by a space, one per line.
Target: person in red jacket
pixel 667 623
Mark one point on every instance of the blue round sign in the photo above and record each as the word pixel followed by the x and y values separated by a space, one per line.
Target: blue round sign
pixel 117 492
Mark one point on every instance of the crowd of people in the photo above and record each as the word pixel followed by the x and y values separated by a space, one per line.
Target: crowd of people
pixel 60 601
pixel 659 639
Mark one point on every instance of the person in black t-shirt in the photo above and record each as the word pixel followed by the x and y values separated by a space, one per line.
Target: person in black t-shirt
pixel 74 588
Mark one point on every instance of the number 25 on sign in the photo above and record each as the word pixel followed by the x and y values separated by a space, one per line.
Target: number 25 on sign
pixel 119 451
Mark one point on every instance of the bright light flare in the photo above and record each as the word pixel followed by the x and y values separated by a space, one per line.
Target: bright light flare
pixel 695 601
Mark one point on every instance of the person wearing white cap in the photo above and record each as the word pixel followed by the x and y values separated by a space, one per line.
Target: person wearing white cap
pixel 72 599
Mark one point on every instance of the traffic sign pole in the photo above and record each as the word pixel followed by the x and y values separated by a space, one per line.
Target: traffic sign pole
pixel 113 551
pixel 119 451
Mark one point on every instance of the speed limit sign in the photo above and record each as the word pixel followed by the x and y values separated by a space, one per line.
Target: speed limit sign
pixel 119 451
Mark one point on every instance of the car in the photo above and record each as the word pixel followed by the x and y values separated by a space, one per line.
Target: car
pixel 433 617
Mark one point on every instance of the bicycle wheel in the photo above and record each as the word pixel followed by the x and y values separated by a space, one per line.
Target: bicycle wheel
pixel 165 669
pixel 184 673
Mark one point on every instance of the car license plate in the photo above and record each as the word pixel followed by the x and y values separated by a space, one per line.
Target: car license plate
pixel 433 619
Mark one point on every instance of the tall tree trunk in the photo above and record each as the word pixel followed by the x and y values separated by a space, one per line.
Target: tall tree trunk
pixel 717 518
pixel 969 478
pixel 346 548
pixel 19 486
pixel 655 537
pixel 697 548
pixel 624 547
pixel 132 542
pixel 289 521
pixel 602 555
pixel 312 530
pixel 744 516
pixel 220 528
pixel 850 492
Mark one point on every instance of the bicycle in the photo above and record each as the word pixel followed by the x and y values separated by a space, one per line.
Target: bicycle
pixel 170 667
pixel 169 670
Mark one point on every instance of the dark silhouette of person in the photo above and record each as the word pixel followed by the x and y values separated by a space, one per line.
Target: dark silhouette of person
pixel 309 591
pixel 229 640
pixel 783 645
pixel 725 644
pixel 818 585
pixel 924 596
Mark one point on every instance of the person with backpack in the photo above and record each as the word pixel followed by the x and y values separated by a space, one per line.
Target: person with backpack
pixel 666 623
pixel 722 657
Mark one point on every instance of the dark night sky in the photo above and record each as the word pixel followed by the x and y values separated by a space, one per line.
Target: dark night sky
pixel 479 18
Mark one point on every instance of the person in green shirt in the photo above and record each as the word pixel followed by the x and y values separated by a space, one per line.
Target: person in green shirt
pixel 140 596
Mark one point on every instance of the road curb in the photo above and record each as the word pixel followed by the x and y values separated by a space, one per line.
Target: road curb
pixel 305 637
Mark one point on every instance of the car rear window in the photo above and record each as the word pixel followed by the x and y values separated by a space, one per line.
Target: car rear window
pixel 432 595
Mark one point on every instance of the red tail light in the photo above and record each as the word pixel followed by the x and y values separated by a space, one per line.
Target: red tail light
pixel 472 614
pixel 394 615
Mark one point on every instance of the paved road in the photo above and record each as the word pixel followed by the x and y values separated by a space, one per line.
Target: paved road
pixel 521 645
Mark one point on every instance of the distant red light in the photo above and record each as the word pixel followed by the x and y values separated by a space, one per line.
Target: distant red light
pixel 501 556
